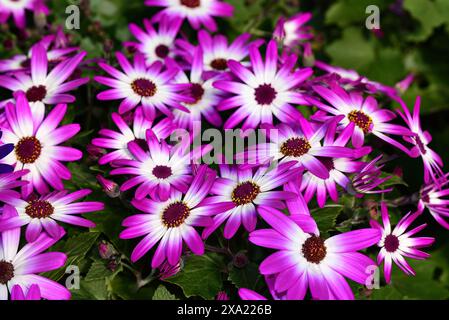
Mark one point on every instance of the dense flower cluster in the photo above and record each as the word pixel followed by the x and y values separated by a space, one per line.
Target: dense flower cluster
pixel 320 123
pixel 32 173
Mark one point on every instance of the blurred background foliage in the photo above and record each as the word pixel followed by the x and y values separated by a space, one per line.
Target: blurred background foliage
pixel 414 38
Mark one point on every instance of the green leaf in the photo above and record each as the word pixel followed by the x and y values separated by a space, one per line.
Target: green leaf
pixel 162 293
pixel 97 271
pixel 125 287
pixel 352 51
pixel 201 276
pixel 326 218
pixel 347 12
pixel 246 277
pixel 428 15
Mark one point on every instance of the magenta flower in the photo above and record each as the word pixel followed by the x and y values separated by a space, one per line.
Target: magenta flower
pixel 10 181
pixel 42 213
pixel 292 31
pixel 434 198
pixel 360 117
pixel 118 141
pixel 32 293
pixel 368 178
pixel 36 145
pixel 43 88
pixel 264 91
pixel 17 9
pixel 156 45
pixel 205 96
pixel 247 190
pixel 22 62
pixel 139 84
pixel 22 267
pixel 217 51
pixel 397 243
pixel 172 222
pixel 247 294
pixel 301 145
pixel 157 169
pixel 420 140
pixel 197 12
pixel 308 261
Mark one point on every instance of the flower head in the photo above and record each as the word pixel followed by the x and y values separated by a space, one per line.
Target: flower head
pixel 247 189
pixel 138 84
pixel 368 178
pixel 421 140
pixel 156 45
pixel 21 267
pixel 42 213
pixel 36 145
pixel 263 92
pixel 42 88
pixel 305 261
pixel 434 198
pixel 197 12
pixel 173 221
pixel 360 116
pixel 292 31
pixel 398 243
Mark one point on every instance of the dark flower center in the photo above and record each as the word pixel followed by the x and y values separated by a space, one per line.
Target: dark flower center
pixel 219 64
pixel 327 162
pixel 265 94
pixel 420 144
pixel 144 87
pixel 361 120
pixel 142 143
pixel 162 51
pixel 314 249
pixel 28 149
pixel 26 63
pixel 175 214
pixel 162 172
pixel 39 209
pixel 196 92
pixel 295 147
pixel 6 272
pixel 36 93
pixel 245 193
pixel 191 3
pixel 391 243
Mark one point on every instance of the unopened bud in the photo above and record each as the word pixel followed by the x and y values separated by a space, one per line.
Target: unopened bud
pixel 109 187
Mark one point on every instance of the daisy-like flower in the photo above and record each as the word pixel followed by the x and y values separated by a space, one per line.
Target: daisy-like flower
pixel 292 31
pixel 150 86
pixel 205 96
pixel 398 243
pixel 265 92
pixel 32 293
pixel 157 170
pixel 368 178
pixel 22 62
pixel 36 145
pixel 156 45
pixel 173 221
pixel 247 190
pixel 17 9
pixel 338 169
pixel 216 50
pixel 197 12
pixel 118 141
pixel 360 117
pixel 302 145
pixel 420 140
pixel 307 261
pixel 42 88
pixel 434 198
pixel 22 267
pixel 41 213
